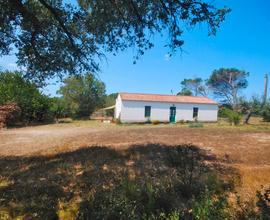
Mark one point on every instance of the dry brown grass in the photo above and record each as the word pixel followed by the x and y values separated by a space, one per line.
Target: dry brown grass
pixel 244 148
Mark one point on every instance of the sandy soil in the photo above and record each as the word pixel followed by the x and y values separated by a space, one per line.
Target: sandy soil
pixel 246 150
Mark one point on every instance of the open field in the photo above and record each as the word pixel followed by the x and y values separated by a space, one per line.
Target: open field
pixel 57 159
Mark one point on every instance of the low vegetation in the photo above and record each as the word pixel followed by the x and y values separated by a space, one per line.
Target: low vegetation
pixel 174 181
pixel 142 182
pixel 232 116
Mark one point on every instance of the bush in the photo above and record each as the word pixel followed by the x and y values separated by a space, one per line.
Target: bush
pixel 266 113
pixel 263 203
pixel 117 121
pixel 209 207
pixel 34 106
pixel 189 189
pixel 233 117
pixel 182 121
pixel 260 210
pixel 155 122
pixel 195 125
pixel 223 112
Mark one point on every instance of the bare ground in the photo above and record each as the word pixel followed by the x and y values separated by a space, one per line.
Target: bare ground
pixel 246 150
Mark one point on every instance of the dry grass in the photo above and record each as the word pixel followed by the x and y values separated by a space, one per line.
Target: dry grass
pixel 31 154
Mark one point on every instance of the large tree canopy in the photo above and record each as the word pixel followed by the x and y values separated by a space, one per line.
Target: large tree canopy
pixel 83 94
pixel 52 37
pixel 226 84
pixel 33 104
pixel 194 87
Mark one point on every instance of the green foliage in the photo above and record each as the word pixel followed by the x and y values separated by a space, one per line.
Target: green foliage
pixel 59 108
pixel 195 125
pixel 83 94
pixel 211 207
pixel 233 117
pixel 187 190
pixel 266 112
pixel 194 87
pixel 110 99
pixel 58 37
pixel 182 121
pixel 33 104
pixel 254 105
pixel 163 182
pixel 223 112
pixel 226 84
pixel 185 92
pixel 132 200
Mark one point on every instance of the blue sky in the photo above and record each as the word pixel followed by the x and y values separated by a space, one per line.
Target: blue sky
pixel 243 41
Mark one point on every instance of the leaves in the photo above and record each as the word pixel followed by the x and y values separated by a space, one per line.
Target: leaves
pixel 226 83
pixel 83 94
pixel 54 38
pixel 33 104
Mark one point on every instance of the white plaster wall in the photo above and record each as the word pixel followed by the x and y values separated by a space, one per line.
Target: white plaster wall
pixel 133 111
pixel 118 105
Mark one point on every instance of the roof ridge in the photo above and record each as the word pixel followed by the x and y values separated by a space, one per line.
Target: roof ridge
pixel 188 96
pixel 166 98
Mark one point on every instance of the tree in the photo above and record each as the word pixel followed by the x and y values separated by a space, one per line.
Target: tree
pixel 185 92
pixel 83 94
pixel 34 106
pixel 226 84
pixel 110 99
pixel 250 107
pixel 59 108
pixel 193 87
pixel 266 112
pixel 55 37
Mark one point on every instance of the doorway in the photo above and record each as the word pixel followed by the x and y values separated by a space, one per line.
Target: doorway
pixel 172 114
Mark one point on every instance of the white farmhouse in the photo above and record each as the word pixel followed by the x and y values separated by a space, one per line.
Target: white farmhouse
pixel 135 107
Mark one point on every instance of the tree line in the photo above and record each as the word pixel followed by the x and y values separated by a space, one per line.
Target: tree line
pixel 81 95
pixel 227 85
pixel 78 97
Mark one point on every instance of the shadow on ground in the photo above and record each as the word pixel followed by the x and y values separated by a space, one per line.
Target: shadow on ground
pixel 103 183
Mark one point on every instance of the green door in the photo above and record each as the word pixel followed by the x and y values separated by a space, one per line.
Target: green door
pixel 172 114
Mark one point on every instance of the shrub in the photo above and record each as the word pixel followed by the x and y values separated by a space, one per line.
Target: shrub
pixel 223 112
pixel 155 122
pixel 118 121
pixel 263 203
pixel 181 121
pixel 34 106
pixel 233 117
pixel 195 125
pixel 266 113
pixel 209 207
pixel 260 210
pixel 189 189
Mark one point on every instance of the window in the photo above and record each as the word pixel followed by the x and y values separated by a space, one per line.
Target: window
pixel 195 112
pixel 147 111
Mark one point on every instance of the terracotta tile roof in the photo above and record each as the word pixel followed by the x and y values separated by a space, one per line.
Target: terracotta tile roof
pixel 166 98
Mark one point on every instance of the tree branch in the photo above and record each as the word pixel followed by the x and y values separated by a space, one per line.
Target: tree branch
pixel 57 17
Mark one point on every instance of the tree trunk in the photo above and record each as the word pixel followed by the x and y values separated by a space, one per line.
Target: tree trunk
pixel 247 117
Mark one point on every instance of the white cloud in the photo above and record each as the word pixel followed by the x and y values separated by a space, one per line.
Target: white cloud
pixel 167 57
pixel 12 65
